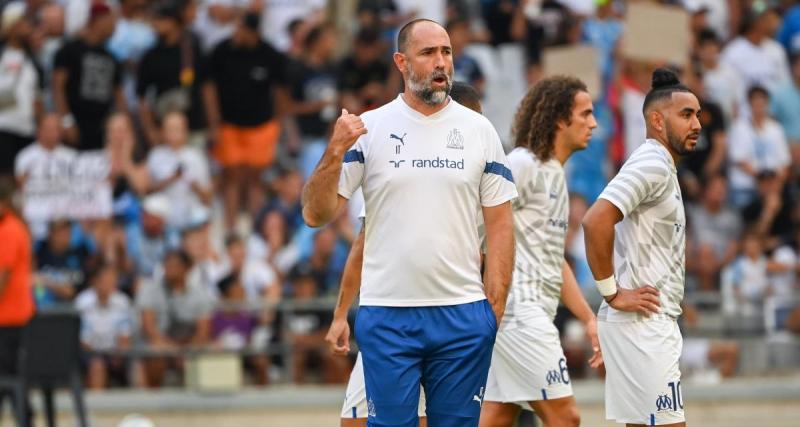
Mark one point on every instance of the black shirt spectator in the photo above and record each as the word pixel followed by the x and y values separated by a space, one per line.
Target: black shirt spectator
pixel 245 80
pixel 88 78
pixel 362 76
pixel 172 72
pixel 713 122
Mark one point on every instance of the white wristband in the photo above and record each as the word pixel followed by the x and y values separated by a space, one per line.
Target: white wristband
pixel 607 286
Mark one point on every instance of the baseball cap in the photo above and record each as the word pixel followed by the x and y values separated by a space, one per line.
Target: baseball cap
pixel 156 205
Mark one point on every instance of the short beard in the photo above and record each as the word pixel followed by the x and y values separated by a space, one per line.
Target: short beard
pixel 423 88
pixel 676 142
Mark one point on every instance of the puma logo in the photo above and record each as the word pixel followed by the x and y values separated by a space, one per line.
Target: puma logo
pixel 399 138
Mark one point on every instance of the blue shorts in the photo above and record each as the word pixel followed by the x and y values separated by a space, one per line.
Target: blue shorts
pixel 447 349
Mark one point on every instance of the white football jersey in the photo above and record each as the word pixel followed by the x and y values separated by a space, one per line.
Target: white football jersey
pixel 650 242
pixel 424 180
pixel 541 215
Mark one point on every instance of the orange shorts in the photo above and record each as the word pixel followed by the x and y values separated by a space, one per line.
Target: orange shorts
pixel 247 146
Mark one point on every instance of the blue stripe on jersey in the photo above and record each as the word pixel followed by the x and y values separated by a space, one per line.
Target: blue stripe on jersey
pixel 355 414
pixel 544 394
pixel 498 169
pixel 652 419
pixel 353 156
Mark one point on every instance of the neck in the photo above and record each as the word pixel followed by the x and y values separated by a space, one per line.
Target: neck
pixel 417 104
pixel 754 37
pixel 561 152
pixel 675 156
pixel 15 42
pixel 91 37
pixel 315 58
pixel 173 37
pixel 759 121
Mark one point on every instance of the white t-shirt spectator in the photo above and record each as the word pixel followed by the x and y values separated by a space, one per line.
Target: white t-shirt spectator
pixel 35 162
pixel 725 87
pixel 103 325
pixel 279 13
pixel 635 128
pixel 783 284
pixel 17 71
pixel 765 64
pixel 256 277
pixel 163 162
pixel 765 148
pixel 750 277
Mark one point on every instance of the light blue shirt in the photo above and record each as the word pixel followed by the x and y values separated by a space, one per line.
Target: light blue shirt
pixel 786 109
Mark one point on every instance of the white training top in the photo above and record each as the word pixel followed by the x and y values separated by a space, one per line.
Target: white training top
pixel 424 179
pixel 650 242
pixel 541 215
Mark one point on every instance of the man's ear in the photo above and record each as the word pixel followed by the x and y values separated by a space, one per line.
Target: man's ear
pixel 400 61
pixel 656 120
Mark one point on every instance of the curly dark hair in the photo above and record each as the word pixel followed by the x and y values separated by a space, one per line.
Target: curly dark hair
pixel 544 106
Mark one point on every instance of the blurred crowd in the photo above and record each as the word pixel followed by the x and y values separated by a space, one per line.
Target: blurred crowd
pixel 159 149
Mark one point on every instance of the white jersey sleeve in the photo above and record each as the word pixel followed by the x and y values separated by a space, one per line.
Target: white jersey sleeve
pixel 497 184
pixel 643 179
pixel 352 174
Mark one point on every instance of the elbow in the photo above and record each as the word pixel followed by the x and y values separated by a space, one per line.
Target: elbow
pixel 311 219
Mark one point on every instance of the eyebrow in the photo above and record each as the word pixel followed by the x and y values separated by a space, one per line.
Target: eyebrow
pixel 430 48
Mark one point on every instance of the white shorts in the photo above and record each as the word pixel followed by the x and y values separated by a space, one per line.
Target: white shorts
pixel 643 378
pixel 528 364
pixel 355 398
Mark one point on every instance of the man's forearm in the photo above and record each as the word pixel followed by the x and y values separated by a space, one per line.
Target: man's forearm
pixel 599 240
pixel 320 194
pixel 3 280
pixel 499 260
pixel 351 278
pixel 572 297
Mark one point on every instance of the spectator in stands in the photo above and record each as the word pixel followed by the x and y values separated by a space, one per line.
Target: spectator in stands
pixel 287 190
pixel 171 75
pixel 61 266
pixel 47 40
pixel 259 281
pixel 755 55
pixel 20 84
pixel 783 266
pixel 325 259
pixel 133 34
pixel 363 74
pixel 277 14
pixel 722 82
pixel 272 242
pixel 234 326
pixel 149 241
pixel 603 30
pixel 179 171
pixel 106 327
pixel 465 68
pixel 87 81
pixel 714 234
pixel 770 214
pixel 129 179
pixel 16 299
pixel 703 356
pixel 306 329
pixel 708 158
pixel 216 20
pixel 750 276
pixel 786 108
pixel 757 144
pixel 246 99
pixel 312 83
pixel 789 34
pixel 175 315
pixel 196 242
pixel 297 30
